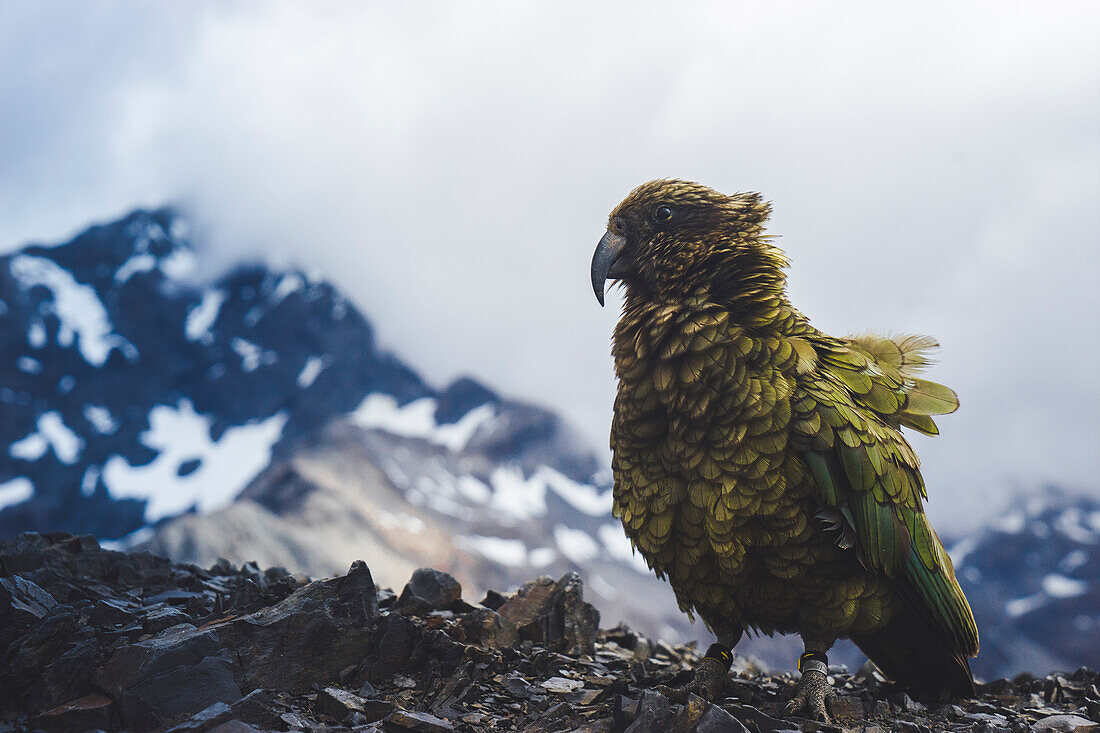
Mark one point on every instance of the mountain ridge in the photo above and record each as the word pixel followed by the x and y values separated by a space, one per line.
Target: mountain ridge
pixel 99 381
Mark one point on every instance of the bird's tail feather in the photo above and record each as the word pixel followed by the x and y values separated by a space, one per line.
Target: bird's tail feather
pixel 911 652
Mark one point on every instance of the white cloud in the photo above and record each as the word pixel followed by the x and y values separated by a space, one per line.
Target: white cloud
pixel 452 165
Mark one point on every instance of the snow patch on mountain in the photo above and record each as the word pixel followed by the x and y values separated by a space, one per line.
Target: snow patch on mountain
pixel 312 369
pixel 137 263
pixel 100 418
pixel 411 524
pixel 525 498
pixel 1073 560
pixel 473 489
pixel 961 549
pixel 516 496
pixel 618 546
pixel 1078 526
pixel 289 283
pixel 583 497
pixel 90 480
pixel 380 411
pixel 52 432
pixel 36 334
pixel 540 557
pixel 29 365
pixel 1022 606
pixel 510 553
pixel 182 436
pixel 576 544
pixel 15 491
pixel 1059 586
pixel 1011 523
pixel 77 306
pixel 178 264
pixel 252 355
pixel 202 317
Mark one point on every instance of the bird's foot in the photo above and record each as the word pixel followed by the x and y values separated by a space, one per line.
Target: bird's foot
pixel 710 677
pixel 814 691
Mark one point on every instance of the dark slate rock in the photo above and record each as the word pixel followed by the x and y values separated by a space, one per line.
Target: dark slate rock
pixel 257 709
pixel 205 719
pixel 178 693
pixel 91 712
pixel 717 720
pixel 690 713
pixel 234 726
pixel 908 726
pixel 906 703
pixel 429 590
pixel 845 707
pixel 196 603
pixel 487 628
pixel 176 647
pixel 161 617
pixel 315 626
pixel 170 676
pixel 337 703
pixel 554 614
pixel 303 650
pixel 71 673
pixel 112 612
pixel 38 669
pixel 421 722
pixel 375 710
pixel 1074 723
pixel 493 600
pixel 22 603
pixel 756 718
pixel 357 595
pixel 397 637
pixel 654 714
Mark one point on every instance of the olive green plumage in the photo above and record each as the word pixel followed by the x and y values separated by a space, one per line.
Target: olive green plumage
pixel 760 464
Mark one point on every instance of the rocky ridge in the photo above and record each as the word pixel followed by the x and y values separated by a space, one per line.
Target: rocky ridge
pixel 93 639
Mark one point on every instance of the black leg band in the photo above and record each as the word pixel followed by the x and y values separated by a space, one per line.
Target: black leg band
pixel 812 657
pixel 720 654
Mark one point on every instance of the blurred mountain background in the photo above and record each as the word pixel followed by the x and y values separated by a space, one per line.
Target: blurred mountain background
pixel 254 416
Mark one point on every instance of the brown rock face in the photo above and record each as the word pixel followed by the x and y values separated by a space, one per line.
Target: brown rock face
pixel 554 614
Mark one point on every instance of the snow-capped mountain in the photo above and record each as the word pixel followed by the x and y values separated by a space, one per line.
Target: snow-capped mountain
pixel 1033 579
pixel 139 404
pixel 130 394
pixel 255 418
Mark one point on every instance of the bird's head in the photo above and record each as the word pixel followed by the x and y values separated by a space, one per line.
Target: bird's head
pixel 675 240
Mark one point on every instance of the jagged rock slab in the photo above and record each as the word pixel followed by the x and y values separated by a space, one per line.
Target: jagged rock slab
pixel 108 641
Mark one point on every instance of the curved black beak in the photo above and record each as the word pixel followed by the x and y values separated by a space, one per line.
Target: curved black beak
pixel 603 261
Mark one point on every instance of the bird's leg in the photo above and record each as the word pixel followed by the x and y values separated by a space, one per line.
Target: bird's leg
pixel 813 689
pixel 710 674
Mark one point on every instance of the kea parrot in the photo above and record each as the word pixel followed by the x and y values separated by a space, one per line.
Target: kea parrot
pixel 760 465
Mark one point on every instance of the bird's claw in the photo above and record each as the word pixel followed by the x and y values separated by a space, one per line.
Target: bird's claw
pixel 814 694
pixel 709 683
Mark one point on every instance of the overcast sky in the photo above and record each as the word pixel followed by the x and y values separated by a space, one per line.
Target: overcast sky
pixel 451 165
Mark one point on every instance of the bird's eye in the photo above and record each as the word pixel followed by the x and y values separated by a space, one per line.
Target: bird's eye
pixel 662 213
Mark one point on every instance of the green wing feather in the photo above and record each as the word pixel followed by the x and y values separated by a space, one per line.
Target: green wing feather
pixel 848 416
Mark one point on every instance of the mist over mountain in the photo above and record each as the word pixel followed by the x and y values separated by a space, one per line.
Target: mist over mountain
pixel 255 417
